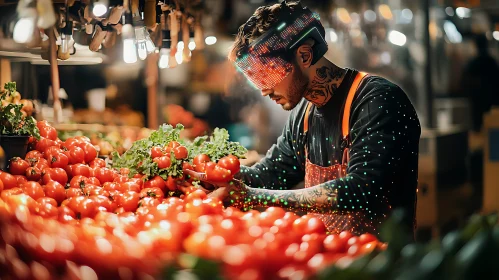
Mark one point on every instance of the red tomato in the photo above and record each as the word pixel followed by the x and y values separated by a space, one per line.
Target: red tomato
pixel 44 143
pixel 41 124
pixel 155 182
pixel 33 156
pixel 81 169
pixel 49 200
pixel 149 202
pixel 73 192
pixel 171 184
pixel 334 244
pixel 368 247
pixel 47 210
pixel 104 174
pixel 18 166
pixel 121 179
pixel 66 214
pixel 163 162
pixel 57 174
pixel 76 155
pixel 33 189
pixel 129 186
pixel 20 179
pixel 129 201
pixel 171 146
pixel 41 164
pixel 33 174
pixel 157 152
pixel 345 235
pixel 71 142
pixel 48 132
pixel 78 182
pixel 8 180
pixel 217 174
pixel 10 192
pixel 51 151
pixel 110 186
pixel 353 241
pixel 199 162
pixel 152 192
pixel 59 160
pixel 180 152
pixel 1 186
pixel 90 152
pixel 231 163
pixel 98 162
pixel 55 190
pixel 186 166
pixel 86 208
pixel 94 181
pixel 366 238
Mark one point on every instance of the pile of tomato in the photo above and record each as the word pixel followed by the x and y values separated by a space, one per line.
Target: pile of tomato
pixel 64 214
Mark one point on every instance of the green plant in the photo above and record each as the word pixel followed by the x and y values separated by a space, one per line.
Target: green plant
pixel 12 120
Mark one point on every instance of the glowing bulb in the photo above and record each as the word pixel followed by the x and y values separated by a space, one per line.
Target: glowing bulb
pixel 129 51
pixel 463 12
pixel 99 9
pixel 210 40
pixel 495 34
pixel 192 45
pixel 397 38
pixel 66 41
pixel 180 45
pixel 163 59
pixel 178 57
pixel 142 50
pixel 23 30
pixel 149 45
pixel 370 15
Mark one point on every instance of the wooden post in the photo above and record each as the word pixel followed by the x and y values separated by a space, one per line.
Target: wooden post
pixel 54 74
pixel 152 81
pixel 5 72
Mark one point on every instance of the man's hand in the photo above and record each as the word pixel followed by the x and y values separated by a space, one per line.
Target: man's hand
pixel 232 192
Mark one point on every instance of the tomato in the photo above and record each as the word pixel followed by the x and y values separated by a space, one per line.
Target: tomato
pixel 366 238
pixel 315 225
pixel 33 174
pixel 66 214
pixel 354 240
pixel 110 186
pixel 51 151
pixel 49 200
pixel 124 171
pixel 41 164
pixel 94 181
pixel 59 160
pixel 71 142
pixel 103 201
pixel 76 155
pixel 157 152
pixel 230 163
pixel 18 166
pixel 55 190
pixel 42 124
pixel 120 179
pixel 129 201
pixel 163 162
pixel 98 162
pixel 1 186
pixel 187 166
pixel 33 155
pixel 73 192
pixel 368 247
pixel 149 202
pixel 345 235
pixel 199 162
pixel 152 192
pixel 180 152
pixel 8 180
pixel 57 174
pixel 44 143
pixel 322 260
pixel 48 132
pixel 104 174
pixel 155 182
pixel 81 169
pixel 33 189
pixel 11 192
pixel 129 186
pixel 334 244
pixel 79 182
pixel 86 208
pixel 90 152
pixel 172 145
pixel 171 184
pixel 217 174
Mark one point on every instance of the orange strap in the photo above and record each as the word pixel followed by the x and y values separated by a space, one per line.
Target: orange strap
pixel 345 124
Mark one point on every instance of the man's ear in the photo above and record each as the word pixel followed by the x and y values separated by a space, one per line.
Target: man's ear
pixel 304 55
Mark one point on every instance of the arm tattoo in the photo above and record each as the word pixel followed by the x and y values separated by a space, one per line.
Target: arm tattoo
pixel 318 199
pixel 326 80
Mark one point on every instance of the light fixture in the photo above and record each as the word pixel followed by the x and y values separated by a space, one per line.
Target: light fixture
pixel 145 45
pixel 164 56
pixel 165 59
pixel 67 37
pixel 495 34
pixel 100 7
pixel 449 11
pixel 127 32
pixel 452 32
pixel 463 12
pixel 210 40
pixel 397 38
pixel 25 26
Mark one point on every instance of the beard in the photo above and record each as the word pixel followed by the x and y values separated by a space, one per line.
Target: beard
pixel 297 88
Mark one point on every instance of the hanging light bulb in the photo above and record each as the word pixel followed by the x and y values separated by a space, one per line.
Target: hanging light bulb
pixel 129 49
pixel 145 45
pixel 149 44
pixel 67 37
pixel 100 8
pixel 164 57
pixel 25 26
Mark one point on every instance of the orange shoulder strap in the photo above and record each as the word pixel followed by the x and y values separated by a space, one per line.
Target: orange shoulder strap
pixel 307 113
pixel 345 124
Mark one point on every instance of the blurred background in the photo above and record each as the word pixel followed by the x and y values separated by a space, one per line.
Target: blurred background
pixel 443 53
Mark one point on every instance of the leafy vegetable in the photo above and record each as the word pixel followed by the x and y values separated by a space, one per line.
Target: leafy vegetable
pixel 12 119
pixel 139 161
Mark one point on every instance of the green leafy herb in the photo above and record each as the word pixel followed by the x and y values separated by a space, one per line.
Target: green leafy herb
pixel 12 120
pixel 217 146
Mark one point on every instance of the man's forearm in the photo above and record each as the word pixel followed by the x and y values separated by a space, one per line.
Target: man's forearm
pixel 318 199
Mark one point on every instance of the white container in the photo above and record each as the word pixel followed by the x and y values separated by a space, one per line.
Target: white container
pixel 96 99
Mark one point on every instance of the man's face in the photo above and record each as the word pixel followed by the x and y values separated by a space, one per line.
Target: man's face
pixel 289 92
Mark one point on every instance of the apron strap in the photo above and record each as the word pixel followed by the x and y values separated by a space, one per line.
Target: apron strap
pixel 305 121
pixel 345 124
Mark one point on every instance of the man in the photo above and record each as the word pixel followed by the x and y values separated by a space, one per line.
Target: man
pixel 353 138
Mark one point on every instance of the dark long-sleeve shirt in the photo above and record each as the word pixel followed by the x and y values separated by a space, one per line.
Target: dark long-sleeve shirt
pixel 383 167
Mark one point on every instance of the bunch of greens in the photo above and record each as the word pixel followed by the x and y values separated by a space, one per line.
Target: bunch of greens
pixel 139 161
pixel 12 119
